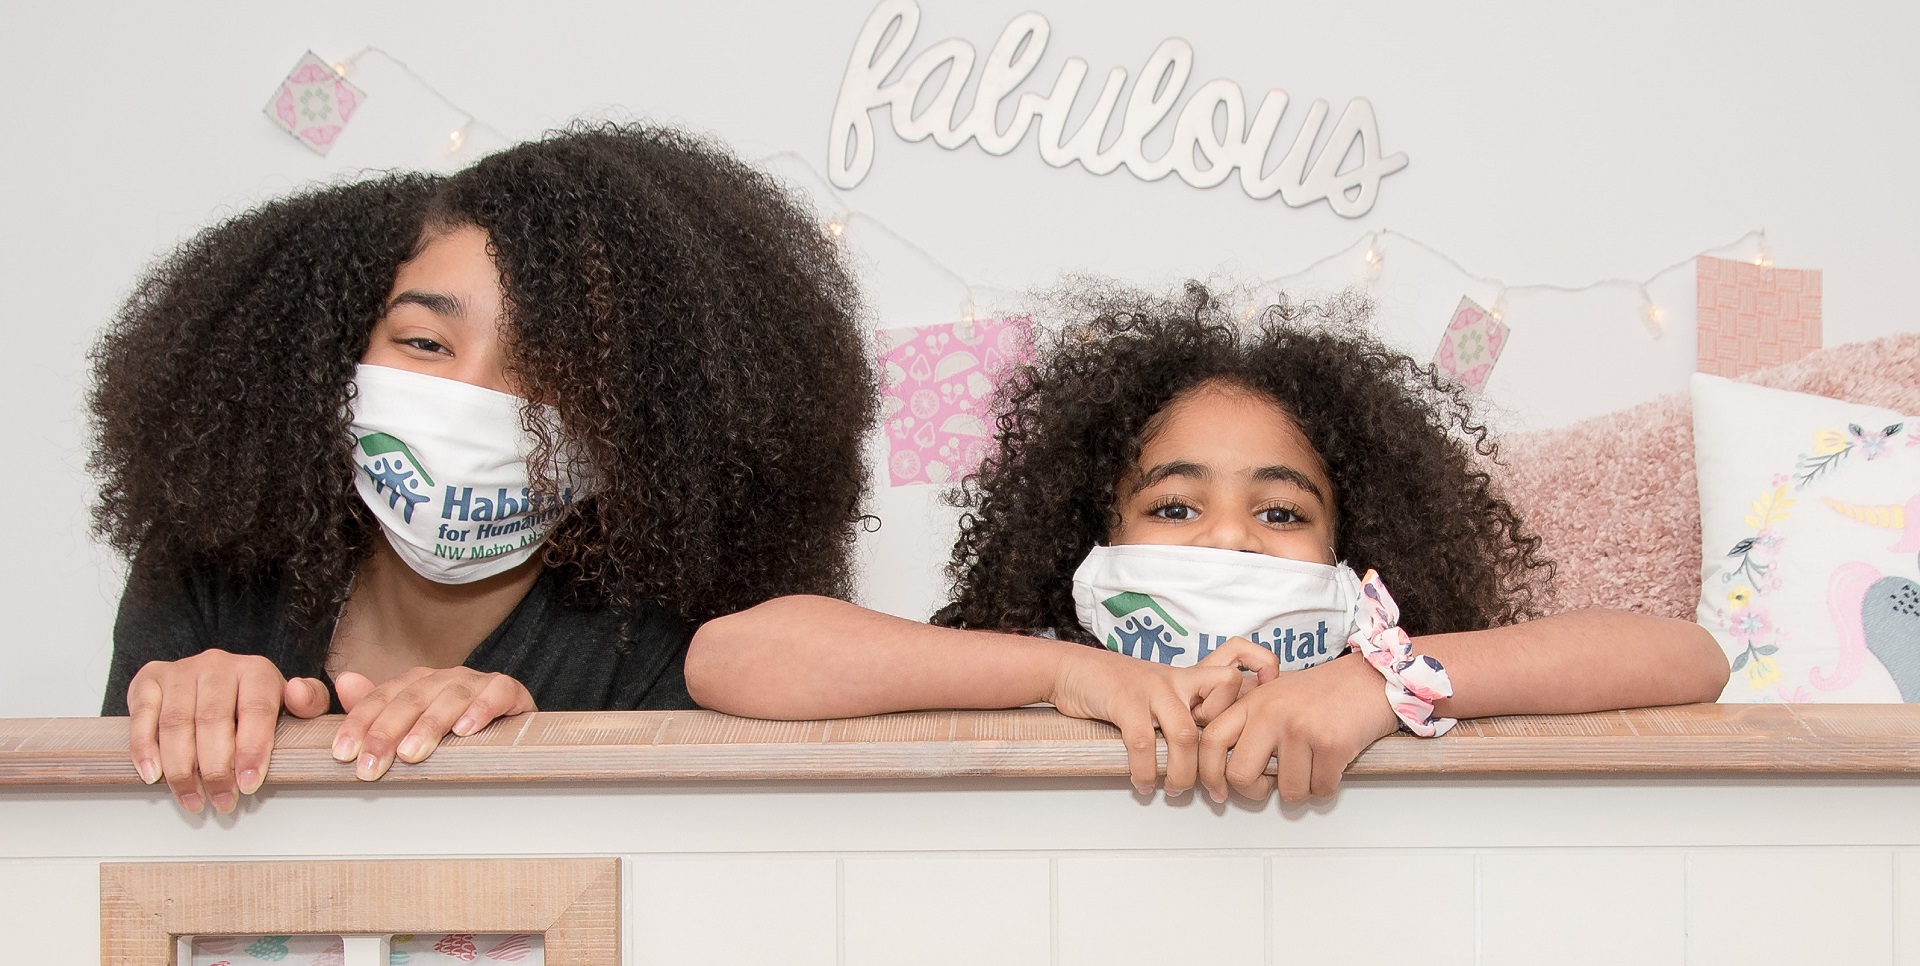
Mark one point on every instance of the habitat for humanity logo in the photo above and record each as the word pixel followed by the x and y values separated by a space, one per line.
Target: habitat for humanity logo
pixel 1146 630
pixel 395 471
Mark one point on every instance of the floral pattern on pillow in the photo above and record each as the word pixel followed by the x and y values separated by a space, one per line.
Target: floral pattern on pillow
pixel 1812 592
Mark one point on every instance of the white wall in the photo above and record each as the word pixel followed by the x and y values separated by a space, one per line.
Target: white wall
pixel 1548 144
pixel 1473 871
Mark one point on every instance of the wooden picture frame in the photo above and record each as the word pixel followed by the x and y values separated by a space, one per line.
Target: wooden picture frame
pixel 145 907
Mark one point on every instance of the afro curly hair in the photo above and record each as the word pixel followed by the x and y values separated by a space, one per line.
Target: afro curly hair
pixel 1403 449
pixel 692 323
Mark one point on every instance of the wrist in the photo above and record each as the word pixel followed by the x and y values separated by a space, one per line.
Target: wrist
pixel 1368 693
pixel 1067 665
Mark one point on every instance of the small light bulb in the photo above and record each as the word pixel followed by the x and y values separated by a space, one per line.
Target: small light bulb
pixel 836 228
pixel 966 312
pixel 340 67
pixel 1499 310
pixel 455 140
pixel 1375 259
pixel 1654 319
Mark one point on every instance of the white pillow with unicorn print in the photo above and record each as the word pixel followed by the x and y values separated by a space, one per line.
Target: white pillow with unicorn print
pixel 1810 543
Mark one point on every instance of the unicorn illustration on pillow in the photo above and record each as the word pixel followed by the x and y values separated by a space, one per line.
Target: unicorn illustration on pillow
pixel 1873 613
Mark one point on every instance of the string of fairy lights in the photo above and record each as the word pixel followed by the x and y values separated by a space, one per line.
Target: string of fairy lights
pixel 458 136
pixel 1369 253
pixel 1373 256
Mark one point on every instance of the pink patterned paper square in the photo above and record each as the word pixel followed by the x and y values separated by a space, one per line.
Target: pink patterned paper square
pixel 937 382
pixel 1471 345
pixel 314 103
pixel 1754 317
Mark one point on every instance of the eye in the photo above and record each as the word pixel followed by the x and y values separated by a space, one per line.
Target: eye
pixel 1279 516
pixel 425 344
pixel 1172 510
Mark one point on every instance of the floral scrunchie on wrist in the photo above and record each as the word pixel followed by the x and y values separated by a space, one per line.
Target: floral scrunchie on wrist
pixel 1414 681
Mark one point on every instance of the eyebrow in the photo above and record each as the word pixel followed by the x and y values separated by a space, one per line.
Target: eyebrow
pixel 1281 473
pixel 434 302
pixel 1277 473
pixel 1186 468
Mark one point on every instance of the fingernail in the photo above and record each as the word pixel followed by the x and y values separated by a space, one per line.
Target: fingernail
pixel 1219 798
pixel 149 771
pixel 1143 789
pixel 223 802
pixel 465 727
pixel 343 748
pixel 191 802
pixel 412 748
pixel 368 769
pixel 249 780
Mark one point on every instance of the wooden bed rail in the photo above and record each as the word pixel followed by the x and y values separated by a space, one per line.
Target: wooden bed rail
pixel 616 747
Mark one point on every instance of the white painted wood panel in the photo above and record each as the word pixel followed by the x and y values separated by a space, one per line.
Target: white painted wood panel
pixel 733 910
pixel 1332 908
pixel 49 909
pixel 1577 908
pixel 1161 909
pixel 1906 908
pixel 971 815
pixel 1566 906
pixel 1754 907
pixel 943 909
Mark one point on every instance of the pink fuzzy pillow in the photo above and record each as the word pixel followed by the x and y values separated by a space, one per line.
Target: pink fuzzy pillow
pixel 1614 497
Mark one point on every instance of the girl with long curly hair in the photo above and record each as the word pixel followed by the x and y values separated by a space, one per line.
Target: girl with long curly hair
pixel 465 447
pixel 1178 485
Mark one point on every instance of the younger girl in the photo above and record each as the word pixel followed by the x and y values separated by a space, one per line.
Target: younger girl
pixel 1159 434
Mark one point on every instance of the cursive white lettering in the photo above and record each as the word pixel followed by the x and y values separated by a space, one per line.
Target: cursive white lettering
pixel 1212 136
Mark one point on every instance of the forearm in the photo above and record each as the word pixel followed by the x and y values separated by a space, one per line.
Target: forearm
pixel 816 657
pixel 1592 660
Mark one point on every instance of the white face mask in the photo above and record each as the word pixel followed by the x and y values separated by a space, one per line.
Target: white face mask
pixel 1175 605
pixel 442 465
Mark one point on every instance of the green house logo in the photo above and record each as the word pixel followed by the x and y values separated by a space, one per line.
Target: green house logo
pixel 1145 630
pixel 394 471
pixel 382 444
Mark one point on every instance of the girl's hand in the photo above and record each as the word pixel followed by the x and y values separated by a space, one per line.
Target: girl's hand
pixel 1136 696
pixel 1317 721
pixel 206 723
pixel 1238 652
pixel 409 715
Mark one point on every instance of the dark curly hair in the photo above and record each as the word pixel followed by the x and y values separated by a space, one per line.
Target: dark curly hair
pixel 693 324
pixel 1403 449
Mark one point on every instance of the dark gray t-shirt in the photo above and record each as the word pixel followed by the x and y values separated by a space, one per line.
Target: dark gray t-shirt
pixel 570 656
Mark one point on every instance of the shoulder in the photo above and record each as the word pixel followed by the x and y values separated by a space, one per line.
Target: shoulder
pixel 216 603
pixel 172 612
pixel 575 653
